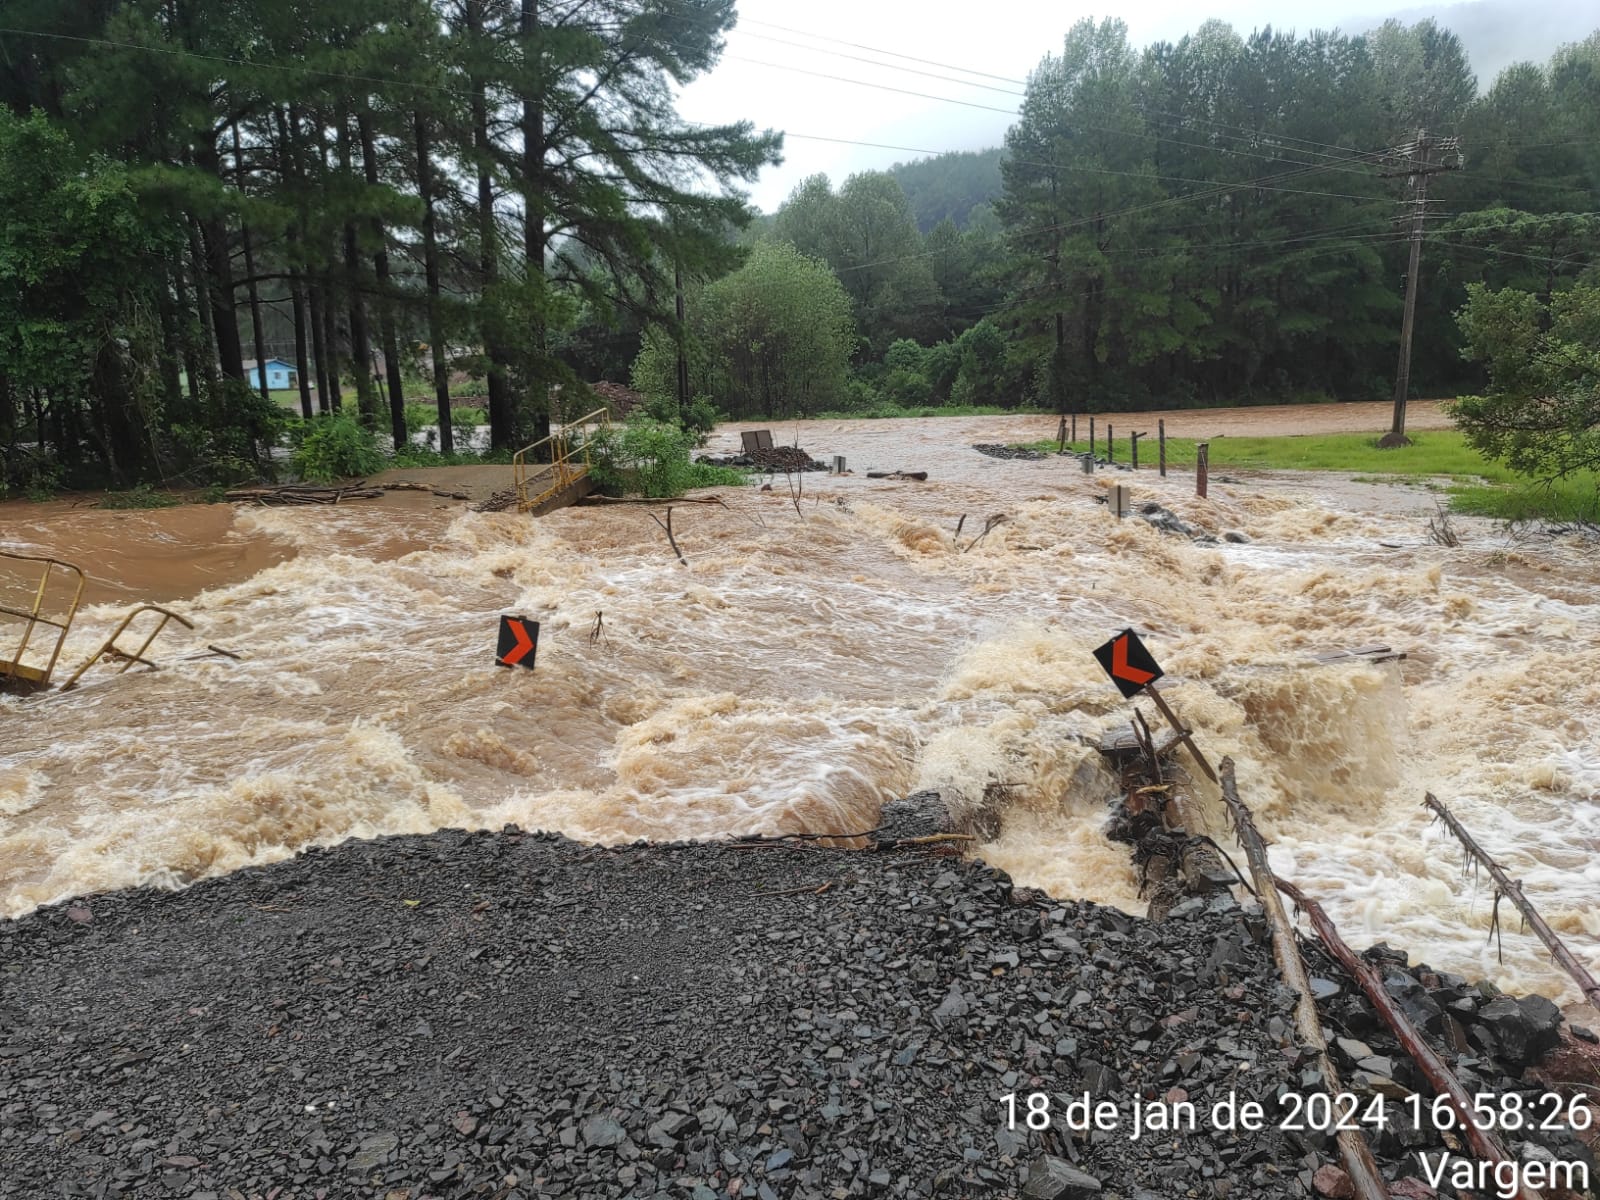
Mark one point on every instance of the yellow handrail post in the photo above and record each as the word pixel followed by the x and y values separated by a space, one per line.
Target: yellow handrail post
pixel 563 473
pixel 15 670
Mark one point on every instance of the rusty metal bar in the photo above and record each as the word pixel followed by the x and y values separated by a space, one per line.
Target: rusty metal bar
pixel 1511 887
pixel 565 443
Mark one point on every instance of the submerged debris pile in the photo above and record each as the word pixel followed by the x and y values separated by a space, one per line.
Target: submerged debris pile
pixel 501 501
pixel 999 450
pixel 517 1015
pixel 776 458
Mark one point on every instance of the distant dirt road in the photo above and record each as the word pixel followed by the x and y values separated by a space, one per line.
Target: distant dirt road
pixel 1278 420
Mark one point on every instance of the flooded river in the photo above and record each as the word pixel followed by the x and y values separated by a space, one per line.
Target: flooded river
pixel 807 665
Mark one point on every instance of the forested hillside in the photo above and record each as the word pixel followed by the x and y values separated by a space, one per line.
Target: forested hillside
pixel 949 186
pixel 409 198
pixel 1224 219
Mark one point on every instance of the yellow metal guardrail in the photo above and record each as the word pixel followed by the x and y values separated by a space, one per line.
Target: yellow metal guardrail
pixel 111 648
pixel 14 671
pixel 569 448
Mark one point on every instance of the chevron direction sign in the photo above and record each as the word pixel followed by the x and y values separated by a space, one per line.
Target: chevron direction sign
pixel 1129 664
pixel 519 642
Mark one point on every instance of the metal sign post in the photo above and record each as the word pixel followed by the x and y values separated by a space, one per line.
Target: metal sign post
pixel 1134 670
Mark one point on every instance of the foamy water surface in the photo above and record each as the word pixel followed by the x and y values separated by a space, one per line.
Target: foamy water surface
pixel 808 665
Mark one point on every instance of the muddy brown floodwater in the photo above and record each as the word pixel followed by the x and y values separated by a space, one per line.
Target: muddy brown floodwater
pixel 808 664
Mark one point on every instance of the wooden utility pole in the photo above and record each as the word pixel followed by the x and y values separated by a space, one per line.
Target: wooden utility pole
pixel 683 358
pixel 1418 169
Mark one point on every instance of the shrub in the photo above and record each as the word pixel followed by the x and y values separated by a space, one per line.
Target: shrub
pixel 336 446
pixel 142 496
pixel 651 457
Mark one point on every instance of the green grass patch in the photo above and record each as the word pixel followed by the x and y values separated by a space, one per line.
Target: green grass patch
pixel 1564 501
pixel 426 456
pixel 1479 486
pixel 143 496
pixel 419 416
pixel 1438 452
pixel 704 475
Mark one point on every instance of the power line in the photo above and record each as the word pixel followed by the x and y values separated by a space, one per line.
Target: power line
pixel 882 87
pixel 892 53
pixel 876 63
pixel 1574 257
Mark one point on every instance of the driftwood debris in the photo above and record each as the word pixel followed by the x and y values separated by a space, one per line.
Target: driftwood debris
pixel 919 476
pixel 1353 1150
pixel 1506 886
pixel 1484 1143
pixel 408 486
pixel 300 493
pixel 1158 819
pixel 1373 654
pixel 989 524
pixel 666 527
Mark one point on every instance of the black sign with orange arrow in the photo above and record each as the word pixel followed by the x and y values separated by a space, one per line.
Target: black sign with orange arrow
pixel 1129 664
pixel 519 642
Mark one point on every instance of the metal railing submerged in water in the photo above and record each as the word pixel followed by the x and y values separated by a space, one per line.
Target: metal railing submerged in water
pixel 569 460
pixel 18 671
pixel 15 671
pixel 110 649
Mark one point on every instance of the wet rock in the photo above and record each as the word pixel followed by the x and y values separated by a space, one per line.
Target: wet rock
pixel 603 1131
pixel 696 1021
pixel 1051 1178
pixel 1332 1182
pixel 995 450
pixel 1411 1189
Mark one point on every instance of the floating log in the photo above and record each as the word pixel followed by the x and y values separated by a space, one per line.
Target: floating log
pixel 1510 887
pixel 1374 654
pixel 1484 1144
pixel 1353 1150
pixel 919 476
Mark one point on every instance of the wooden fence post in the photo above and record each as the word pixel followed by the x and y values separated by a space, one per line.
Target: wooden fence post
pixel 1202 456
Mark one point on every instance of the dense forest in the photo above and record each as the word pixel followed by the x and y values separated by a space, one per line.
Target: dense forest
pixel 425 201
pixel 431 188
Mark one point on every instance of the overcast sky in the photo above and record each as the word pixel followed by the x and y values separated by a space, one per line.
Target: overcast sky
pixel 1003 38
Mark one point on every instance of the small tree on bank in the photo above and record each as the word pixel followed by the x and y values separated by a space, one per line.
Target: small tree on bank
pixel 774 338
pixel 1541 412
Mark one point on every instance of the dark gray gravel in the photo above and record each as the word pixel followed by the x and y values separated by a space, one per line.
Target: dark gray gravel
pixel 510 1016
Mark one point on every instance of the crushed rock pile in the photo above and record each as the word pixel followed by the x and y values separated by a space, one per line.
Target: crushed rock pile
pixel 778 458
pixel 999 450
pixel 514 1015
